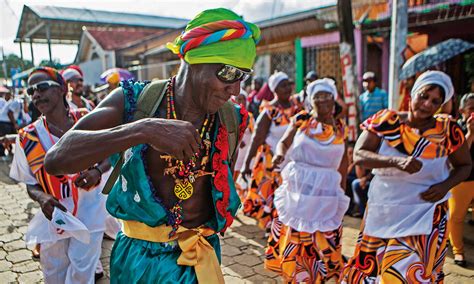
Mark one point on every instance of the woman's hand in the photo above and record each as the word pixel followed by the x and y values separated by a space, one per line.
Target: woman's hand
pixel 245 172
pixel 277 160
pixel 435 193
pixel 409 164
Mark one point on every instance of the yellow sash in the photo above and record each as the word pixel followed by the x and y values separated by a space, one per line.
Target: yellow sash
pixel 196 250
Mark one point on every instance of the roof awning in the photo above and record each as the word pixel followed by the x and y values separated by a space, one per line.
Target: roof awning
pixel 64 25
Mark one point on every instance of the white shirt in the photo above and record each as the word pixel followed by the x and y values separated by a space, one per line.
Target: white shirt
pixel 91 204
pixel 3 102
pixel 14 105
pixel 311 198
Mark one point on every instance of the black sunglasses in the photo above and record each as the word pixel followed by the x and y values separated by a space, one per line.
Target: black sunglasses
pixel 231 74
pixel 41 87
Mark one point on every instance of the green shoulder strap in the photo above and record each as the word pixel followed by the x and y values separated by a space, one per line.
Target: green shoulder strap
pixel 228 117
pixel 147 104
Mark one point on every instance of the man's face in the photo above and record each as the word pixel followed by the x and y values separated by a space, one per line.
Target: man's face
pixel 410 82
pixel 350 153
pixel 46 101
pixel 241 100
pixel 467 110
pixel 211 93
pixel 369 85
pixel 77 86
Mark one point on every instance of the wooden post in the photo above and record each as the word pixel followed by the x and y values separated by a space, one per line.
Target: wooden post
pixel 398 39
pixel 31 50
pixel 348 64
pixel 21 51
pixel 48 36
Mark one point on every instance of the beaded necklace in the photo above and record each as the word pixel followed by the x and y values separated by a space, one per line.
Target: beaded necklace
pixel 185 175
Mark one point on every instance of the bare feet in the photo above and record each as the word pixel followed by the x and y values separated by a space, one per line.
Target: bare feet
pixel 36 251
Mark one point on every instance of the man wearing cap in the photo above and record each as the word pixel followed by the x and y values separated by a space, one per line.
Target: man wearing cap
pixel 65 258
pixel 373 99
pixel 175 190
pixel 301 96
pixel 6 127
pixel 75 80
pixel 5 96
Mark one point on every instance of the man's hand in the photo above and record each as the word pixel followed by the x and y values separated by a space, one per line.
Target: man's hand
pixel 409 164
pixel 47 203
pixel 470 124
pixel 434 193
pixel 177 138
pixel 88 179
pixel 363 182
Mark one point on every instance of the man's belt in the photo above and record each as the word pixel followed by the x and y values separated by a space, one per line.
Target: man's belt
pixel 196 250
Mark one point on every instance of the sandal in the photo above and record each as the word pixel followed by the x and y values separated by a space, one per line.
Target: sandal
pixel 460 262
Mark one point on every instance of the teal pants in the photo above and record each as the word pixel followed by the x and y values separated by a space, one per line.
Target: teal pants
pixel 138 261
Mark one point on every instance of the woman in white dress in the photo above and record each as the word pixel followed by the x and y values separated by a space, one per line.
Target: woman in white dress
pixel 416 160
pixel 305 240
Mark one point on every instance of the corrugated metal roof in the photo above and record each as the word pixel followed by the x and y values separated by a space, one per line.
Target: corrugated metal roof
pixel 292 17
pixel 66 23
pixel 106 17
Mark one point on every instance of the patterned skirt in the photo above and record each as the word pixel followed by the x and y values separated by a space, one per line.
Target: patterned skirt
pixel 304 257
pixel 413 259
pixel 259 200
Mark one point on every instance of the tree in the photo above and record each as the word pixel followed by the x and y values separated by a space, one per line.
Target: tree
pixel 56 65
pixel 13 61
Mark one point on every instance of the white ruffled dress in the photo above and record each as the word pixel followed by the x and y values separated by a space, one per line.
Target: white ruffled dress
pixel 310 198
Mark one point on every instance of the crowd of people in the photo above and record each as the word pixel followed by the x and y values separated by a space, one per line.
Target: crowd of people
pixel 174 159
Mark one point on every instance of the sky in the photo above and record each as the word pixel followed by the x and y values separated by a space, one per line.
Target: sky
pixel 252 10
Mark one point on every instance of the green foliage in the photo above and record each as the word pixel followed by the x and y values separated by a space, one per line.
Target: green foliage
pixel 13 61
pixel 469 64
pixel 55 65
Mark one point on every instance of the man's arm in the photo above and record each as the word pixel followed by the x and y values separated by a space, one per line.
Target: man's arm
pixel 11 116
pixel 45 200
pixel 102 133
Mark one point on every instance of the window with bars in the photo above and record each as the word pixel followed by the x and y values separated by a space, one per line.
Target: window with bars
pixel 325 60
pixel 285 62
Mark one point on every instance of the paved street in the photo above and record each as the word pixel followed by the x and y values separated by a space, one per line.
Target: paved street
pixel 242 246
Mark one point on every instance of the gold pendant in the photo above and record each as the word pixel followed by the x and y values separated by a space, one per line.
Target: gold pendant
pixel 183 190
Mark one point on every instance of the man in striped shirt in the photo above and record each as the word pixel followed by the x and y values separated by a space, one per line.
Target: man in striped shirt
pixel 373 99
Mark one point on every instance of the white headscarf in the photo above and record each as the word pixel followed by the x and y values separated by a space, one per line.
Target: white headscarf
pixel 434 77
pixel 275 79
pixel 321 85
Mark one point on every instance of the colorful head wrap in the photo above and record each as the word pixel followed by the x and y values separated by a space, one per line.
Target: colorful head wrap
pixel 72 71
pixel 113 78
pixel 51 72
pixel 434 78
pixel 218 36
pixel 321 85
